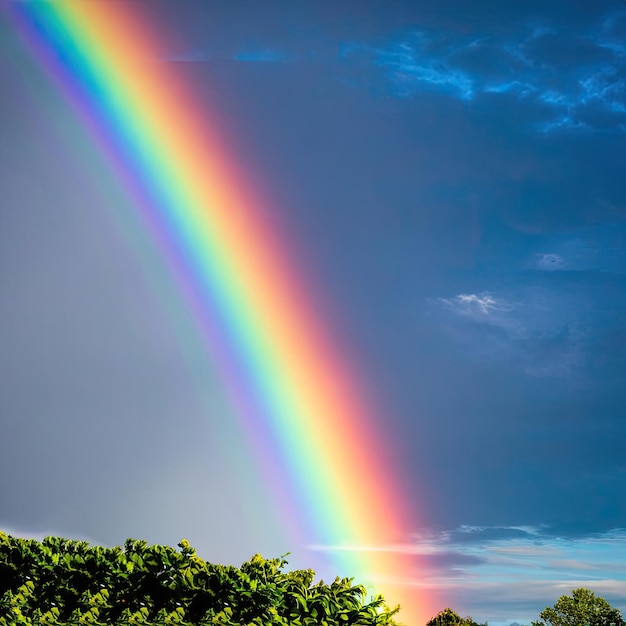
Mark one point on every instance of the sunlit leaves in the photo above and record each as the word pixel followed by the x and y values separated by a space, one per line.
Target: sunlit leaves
pixel 58 581
pixel 448 617
pixel 582 607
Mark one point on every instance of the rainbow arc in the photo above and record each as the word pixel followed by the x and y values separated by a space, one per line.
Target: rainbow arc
pixel 286 376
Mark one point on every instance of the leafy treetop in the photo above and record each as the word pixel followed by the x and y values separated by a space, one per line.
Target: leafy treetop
pixel 582 608
pixel 58 581
pixel 448 617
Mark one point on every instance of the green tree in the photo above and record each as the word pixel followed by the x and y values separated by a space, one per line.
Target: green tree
pixel 582 608
pixel 448 617
pixel 58 581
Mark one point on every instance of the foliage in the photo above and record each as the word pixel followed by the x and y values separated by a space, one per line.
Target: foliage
pixel 58 581
pixel 582 608
pixel 448 617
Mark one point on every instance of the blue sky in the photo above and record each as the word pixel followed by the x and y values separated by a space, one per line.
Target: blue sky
pixel 453 179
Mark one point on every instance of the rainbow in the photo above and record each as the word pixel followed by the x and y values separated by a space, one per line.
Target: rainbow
pixel 284 373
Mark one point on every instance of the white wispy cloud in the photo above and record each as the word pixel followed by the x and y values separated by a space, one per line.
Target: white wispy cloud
pixel 478 306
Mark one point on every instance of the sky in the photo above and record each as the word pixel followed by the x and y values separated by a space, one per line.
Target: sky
pixel 451 176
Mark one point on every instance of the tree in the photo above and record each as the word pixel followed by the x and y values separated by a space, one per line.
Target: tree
pixel 448 617
pixel 582 608
pixel 58 581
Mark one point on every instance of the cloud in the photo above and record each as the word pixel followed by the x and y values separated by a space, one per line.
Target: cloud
pixel 410 67
pixel 567 79
pixel 484 309
pixel 549 261
pixel 551 78
pixel 476 306
pixel 506 573
pixel 600 247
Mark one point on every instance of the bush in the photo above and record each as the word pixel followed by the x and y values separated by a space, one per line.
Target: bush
pixel 61 581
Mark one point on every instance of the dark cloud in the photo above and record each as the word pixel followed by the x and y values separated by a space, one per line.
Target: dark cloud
pixel 567 79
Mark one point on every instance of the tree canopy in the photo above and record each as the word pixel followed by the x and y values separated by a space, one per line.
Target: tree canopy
pixel 582 608
pixel 58 581
pixel 448 617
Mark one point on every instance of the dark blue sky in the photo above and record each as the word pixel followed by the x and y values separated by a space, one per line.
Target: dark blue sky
pixel 453 176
